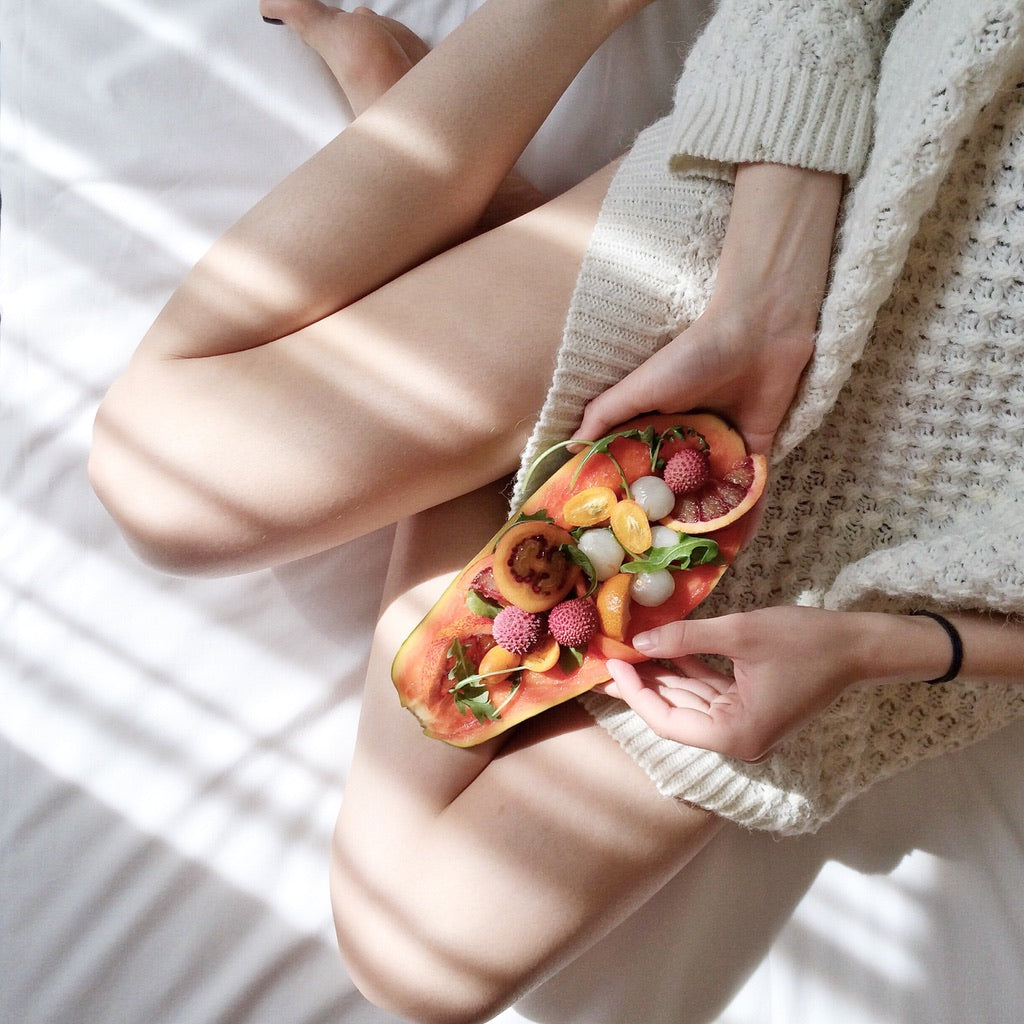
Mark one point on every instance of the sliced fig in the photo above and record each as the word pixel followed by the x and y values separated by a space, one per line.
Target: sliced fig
pixel 532 568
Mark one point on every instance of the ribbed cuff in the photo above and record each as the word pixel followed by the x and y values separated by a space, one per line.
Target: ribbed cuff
pixel 798 116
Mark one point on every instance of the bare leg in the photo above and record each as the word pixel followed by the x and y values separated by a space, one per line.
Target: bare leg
pixel 367 55
pixel 426 388
pixel 461 878
pixel 231 444
pixel 409 177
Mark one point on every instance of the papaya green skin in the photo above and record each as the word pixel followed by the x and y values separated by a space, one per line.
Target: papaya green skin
pixel 419 670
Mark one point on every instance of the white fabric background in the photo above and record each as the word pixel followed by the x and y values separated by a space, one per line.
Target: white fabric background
pixel 172 752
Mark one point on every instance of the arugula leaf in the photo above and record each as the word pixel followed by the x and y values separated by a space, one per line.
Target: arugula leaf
pixel 580 558
pixel 476 698
pixel 571 658
pixel 470 693
pixel 479 605
pixel 602 446
pixel 463 667
pixel 689 552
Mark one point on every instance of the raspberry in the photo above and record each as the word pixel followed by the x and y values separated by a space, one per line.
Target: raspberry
pixel 687 470
pixel 518 631
pixel 573 623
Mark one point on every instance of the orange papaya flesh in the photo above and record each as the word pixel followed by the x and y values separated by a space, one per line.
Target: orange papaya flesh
pixel 424 670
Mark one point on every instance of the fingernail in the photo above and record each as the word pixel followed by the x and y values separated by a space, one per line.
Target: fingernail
pixel 645 642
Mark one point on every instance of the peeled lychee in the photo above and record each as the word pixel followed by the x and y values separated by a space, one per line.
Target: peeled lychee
pixel 573 623
pixel 518 631
pixel 687 470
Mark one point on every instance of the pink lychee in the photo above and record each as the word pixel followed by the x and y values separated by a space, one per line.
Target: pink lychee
pixel 687 470
pixel 518 631
pixel 573 623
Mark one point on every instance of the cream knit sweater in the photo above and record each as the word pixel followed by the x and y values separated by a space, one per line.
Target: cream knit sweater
pixel 899 473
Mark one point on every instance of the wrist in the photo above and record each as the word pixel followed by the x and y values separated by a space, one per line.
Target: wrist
pixel 778 245
pixel 900 648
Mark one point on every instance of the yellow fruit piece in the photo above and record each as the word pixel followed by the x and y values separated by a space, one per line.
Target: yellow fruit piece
pixel 591 506
pixel 544 657
pixel 613 606
pixel 497 659
pixel 631 527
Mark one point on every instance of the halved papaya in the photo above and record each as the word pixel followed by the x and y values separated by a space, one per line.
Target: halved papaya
pixel 533 562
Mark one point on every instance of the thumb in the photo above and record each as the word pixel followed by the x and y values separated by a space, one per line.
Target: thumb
pixel 683 637
pixel 620 403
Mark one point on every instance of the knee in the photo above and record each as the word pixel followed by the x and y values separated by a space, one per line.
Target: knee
pixel 164 517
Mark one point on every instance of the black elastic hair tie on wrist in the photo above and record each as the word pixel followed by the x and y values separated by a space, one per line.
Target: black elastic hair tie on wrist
pixel 954 638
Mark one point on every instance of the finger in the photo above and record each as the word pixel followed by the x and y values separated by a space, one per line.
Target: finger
pixel 655 386
pixel 621 670
pixel 690 724
pixel 681 638
pixel 675 690
pixel 681 688
pixel 609 689
pixel 687 718
pixel 682 695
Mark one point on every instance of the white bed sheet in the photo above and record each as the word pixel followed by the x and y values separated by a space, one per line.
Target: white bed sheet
pixel 173 751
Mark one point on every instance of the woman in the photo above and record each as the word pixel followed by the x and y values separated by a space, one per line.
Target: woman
pixel 357 350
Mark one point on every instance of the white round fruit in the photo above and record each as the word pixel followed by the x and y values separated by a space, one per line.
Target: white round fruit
pixel 652 588
pixel 603 550
pixel 663 537
pixel 653 495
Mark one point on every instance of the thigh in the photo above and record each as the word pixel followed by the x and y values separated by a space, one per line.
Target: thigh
pixel 424 389
pixel 462 877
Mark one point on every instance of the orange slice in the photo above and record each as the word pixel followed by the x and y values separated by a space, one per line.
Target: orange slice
pixel 591 506
pixel 631 527
pixel 544 658
pixel 613 606
pixel 498 660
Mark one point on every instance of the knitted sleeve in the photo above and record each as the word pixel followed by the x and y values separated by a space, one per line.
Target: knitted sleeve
pixel 781 81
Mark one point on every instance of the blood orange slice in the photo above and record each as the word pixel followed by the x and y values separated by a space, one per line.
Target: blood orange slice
pixel 728 494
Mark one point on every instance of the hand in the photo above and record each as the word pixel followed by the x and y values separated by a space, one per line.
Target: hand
pixel 788 663
pixel 720 363
pixel 744 356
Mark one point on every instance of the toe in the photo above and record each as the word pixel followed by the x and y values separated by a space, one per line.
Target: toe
pixel 300 15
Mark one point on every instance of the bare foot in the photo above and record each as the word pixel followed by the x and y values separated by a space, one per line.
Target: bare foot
pixel 366 52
